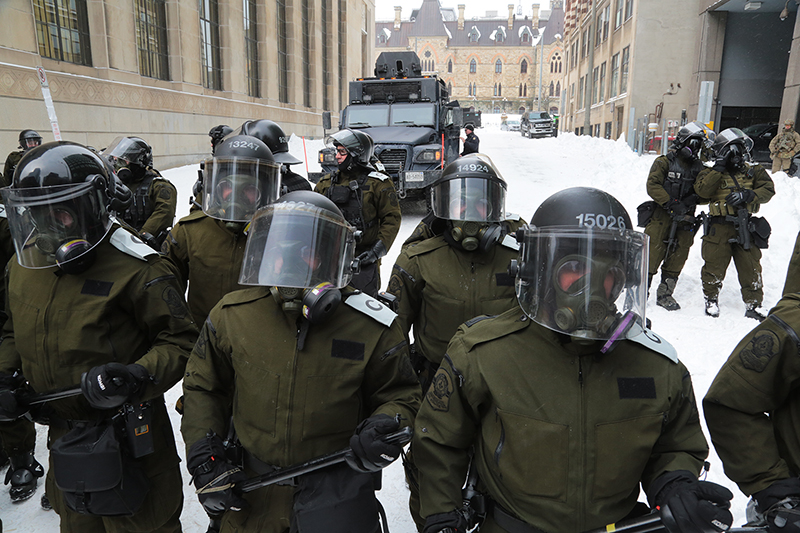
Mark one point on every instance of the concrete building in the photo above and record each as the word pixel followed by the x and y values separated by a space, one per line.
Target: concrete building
pixel 490 63
pixel 168 71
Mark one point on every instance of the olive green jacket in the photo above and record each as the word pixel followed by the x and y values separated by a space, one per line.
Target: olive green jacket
pixel 563 435
pixel 753 406
pixel 209 257
pixel 288 405
pixel 122 309
pixel 11 163
pixel 439 287
pixel 380 204
pixel 716 185
pixel 164 197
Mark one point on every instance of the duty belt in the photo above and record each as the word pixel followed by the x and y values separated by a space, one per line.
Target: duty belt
pixel 251 462
pixel 511 523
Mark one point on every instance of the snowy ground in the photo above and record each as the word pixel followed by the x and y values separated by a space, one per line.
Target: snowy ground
pixel 534 169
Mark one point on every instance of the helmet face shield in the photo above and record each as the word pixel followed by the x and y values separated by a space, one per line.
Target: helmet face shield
pixel 469 199
pixel 295 244
pixel 234 188
pixel 50 223
pixel 126 150
pixel 581 282
pixel 729 137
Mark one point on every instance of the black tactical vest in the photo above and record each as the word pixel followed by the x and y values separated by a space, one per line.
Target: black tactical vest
pixel 681 176
pixel 141 207
pixel 349 199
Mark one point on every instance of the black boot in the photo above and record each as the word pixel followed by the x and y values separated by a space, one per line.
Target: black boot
pixel 754 311
pixel 664 294
pixel 712 307
pixel 24 474
pixel 45 503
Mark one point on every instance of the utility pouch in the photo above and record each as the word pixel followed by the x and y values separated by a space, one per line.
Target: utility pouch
pixel 760 231
pixel 336 500
pixel 339 194
pixel 645 213
pixel 95 475
pixel 137 429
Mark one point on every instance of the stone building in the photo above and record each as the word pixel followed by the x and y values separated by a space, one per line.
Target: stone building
pixel 491 63
pixel 169 70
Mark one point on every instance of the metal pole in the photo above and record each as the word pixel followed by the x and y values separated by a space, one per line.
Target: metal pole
pixel 587 119
pixel 541 67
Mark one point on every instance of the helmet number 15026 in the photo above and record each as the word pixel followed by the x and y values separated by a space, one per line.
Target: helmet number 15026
pixel 601 221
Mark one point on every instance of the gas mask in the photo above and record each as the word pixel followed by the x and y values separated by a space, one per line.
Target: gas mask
pixel 473 236
pixel 691 149
pixel 737 156
pixel 59 237
pixel 315 304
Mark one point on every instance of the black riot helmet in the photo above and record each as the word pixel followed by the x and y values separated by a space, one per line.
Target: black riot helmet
pixel 241 177
pixel 358 144
pixel 58 205
pixel 692 139
pixel 582 267
pixel 29 139
pixel 273 136
pixel 217 133
pixel 735 142
pixel 130 157
pixel 470 194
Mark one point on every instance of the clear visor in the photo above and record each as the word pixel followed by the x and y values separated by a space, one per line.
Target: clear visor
pixel 731 135
pixel 44 220
pixel 30 143
pixel 123 148
pixel 234 188
pixel 582 282
pixel 297 245
pixel 475 199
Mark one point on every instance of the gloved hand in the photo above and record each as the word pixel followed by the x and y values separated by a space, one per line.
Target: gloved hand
pixel 372 255
pixel 721 162
pixel 149 239
pixel 677 208
pixel 368 452
pixel 780 504
pixel 214 475
pixel 740 198
pixel 452 522
pixel 11 407
pixel 691 506
pixel 113 384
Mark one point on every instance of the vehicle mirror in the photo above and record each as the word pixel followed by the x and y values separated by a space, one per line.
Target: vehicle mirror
pixel 326 120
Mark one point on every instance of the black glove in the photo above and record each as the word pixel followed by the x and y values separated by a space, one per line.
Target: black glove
pixel 721 162
pixel 213 476
pixel 677 208
pixel 372 255
pixel 452 522
pixel 691 506
pixel 113 384
pixel 780 504
pixel 368 452
pixel 740 198
pixel 11 407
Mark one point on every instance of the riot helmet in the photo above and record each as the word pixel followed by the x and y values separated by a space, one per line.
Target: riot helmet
pixel 29 139
pixel 692 139
pixel 217 133
pixel 130 157
pixel 358 146
pixel 735 142
pixel 273 136
pixel 470 194
pixel 58 205
pixel 582 268
pixel 241 177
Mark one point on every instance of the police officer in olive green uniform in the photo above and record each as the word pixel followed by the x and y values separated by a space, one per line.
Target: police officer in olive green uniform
pixel 300 363
pixel 89 303
pixel 784 146
pixel 568 402
pixel 155 199
pixel 27 139
pixel 208 246
pixel 671 186
pixel 731 185
pixel 367 200
pixel 753 414
pixel 792 283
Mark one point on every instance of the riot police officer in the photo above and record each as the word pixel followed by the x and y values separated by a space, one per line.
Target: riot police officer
pixel 367 200
pixel 273 136
pixel 208 245
pixel 155 199
pixel 568 374
pixel 672 227
pixel 27 139
pixel 333 369
pixel 735 188
pixel 89 303
pixel 217 133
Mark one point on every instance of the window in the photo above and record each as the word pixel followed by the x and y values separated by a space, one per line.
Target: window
pixel 499 89
pixel 283 51
pixel 526 38
pixel 558 88
pixel 500 35
pixel 628 9
pixel 575 54
pixel 580 93
pixel 498 67
pixel 495 90
pixel 552 89
pixel 584 38
pixel 307 14
pixel 496 109
pixel 523 67
pixel 598 30
pixel 595 76
pixel 623 79
pixel 612 89
pixel 606 18
pixel 474 89
pixel 525 90
pixel 62 30
pixel 474 35
pixel 327 31
pixel 618 14
pixel 602 89
pixel 473 66
pixel 251 48
pixel 520 89
pixel 450 66
pixel 151 38
pixel 209 40
pixel 607 134
pixel 555 63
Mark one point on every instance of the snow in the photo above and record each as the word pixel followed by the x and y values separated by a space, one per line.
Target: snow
pixel 534 169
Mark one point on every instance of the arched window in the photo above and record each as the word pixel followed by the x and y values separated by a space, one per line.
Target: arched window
pixel 433 65
pixel 496 109
pixel 525 89
pixel 449 88
pixel 469 90
pixel 552 88
pixel 558 88
pixel 474 89
pixel 450 65
pixel 555 63
pixel 520 89
pixel 473 66
pixel 521 109
pixel 523 67
pixel 498 67
pixel 495 89
pixel 526 38
pixel 499 89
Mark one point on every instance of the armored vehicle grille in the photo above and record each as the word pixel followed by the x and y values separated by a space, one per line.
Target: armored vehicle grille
pixel 394 160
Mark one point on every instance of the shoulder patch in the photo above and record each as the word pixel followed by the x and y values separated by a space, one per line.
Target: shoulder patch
pixel 441 389
pixel 371 307
pixel 128 243
pixel 649 339
pixel 760 350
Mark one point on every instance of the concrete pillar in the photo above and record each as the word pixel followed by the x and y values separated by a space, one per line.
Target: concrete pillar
pixel 535 16
pixel 461 8
pixel 397 10
pixel 791 92
pixel 510 16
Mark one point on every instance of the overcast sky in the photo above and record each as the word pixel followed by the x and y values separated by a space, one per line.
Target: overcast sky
pixel 384 9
